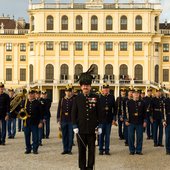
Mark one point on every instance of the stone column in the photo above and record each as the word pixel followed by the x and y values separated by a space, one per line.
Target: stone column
pixel 86 57
pixel 146 61
pixel 42 61
pixel 57 62
pixel 16 70
pixel 131 60
pixel 116 61
pixel 2 67
pixel 71 68
pixel 101 70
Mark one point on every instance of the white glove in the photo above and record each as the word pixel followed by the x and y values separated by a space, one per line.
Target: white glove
pixel 76 130
pixel 99 131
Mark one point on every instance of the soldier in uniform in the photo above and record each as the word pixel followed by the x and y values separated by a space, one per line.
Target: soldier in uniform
pixel 107 102
pixel 166 124
pixel 142 95
pixel 4 113
pixel 85 119
pixel 156 118
pixel 42 104
pixel 135 120
pixel 64 119
pixel 129 97
pixel 32 122
pixel 148 101
pixel 120 112
pixel 47 114
pixel 12 117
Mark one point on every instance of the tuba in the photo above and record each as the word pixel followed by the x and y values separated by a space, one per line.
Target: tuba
pixel 17 100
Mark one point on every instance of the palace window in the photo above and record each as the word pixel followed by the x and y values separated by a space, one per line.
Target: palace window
pixel 166 47
pixel 9 74
pixel 123 46
pixel 138 46
pixel 64 46
pixel 50 23
pixel 166 75
pixel 22 74
pixel 79 46
pixel 22 47
pixel 22 57
pixel 94 23
pixel 138 23
pixel 109 46
pixel 64 22
pixel 79 23
pixel 165 58
pixel 109 23
pixel 123 23
pixel 94 46
pixel 8 57
pixel 8 46
pixel 49 45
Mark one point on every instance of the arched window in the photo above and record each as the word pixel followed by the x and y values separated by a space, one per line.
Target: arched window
pixel 64 72
pixel 31 73
pixel 138 73
pixel 157 74
pixel 108 69
pixel 64 22
pixel 109 23
pixel 123 23
pixel 95 69
pixel 50 22
pixel 32 23
pixel 49 73
pixel 94 23
pixel 78 70
pixel 79 23
pixel 123 70
pixel 138 23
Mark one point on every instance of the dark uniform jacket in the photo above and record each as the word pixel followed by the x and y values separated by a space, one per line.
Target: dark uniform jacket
pixel 107 104
pixel 43 107
pixel 136 112
pixel 148 103
pixel 4 105
pixel 64 109
pixel 120 106
pixel 34 111
pixel 166 115
pixel 48 106
pixel 157 108
pixel 85 113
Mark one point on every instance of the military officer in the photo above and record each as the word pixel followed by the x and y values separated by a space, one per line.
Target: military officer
pixel 42 104
pixel 107 102
pixel 85 119
pixel 135 120
pixel 32 122
pixel 156 118
pixel 166 124
pixel 129 97
pixel 120 112
pixel 148 101
pixel 142 95
pixel 12 117
pixel 4 113
pixel 47 114
pixel 64 119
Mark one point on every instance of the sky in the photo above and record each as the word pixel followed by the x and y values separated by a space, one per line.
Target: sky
pixel 18 8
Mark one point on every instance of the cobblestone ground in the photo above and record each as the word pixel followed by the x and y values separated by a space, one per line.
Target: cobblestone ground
pixel 12 155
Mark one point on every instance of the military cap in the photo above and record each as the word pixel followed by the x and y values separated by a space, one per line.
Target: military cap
pixel 38 91
pixel 123 89
pixel 69 87
pixel 1 84
pixel 87 77
pixel 149 89
pixel 136 90
pixel 31 91
pixel 105 85
pixel 158 89
pixel 131 88
pixel 143 92
pixel 11 89
pixel 44 92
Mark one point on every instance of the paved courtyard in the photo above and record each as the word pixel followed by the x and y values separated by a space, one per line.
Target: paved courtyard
pixel 12 155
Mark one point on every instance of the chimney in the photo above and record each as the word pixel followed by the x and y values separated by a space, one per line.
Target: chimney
pixel 166 23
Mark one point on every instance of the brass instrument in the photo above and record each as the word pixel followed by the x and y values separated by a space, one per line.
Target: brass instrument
pixel 17 100
pixel 23 114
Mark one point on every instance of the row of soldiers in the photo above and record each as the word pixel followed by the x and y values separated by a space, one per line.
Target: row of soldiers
pixel 89 113
pixel 32 109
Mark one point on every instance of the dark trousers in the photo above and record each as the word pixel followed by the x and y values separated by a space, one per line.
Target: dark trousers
pixel 167 138
pixel 149 129
pixel 2 130
pixel 121 129
pixel 104 138
pixel 20 124
pixel 89 141
pixel 157 124
pixel 67 136
pixel 28 130
pixel 126 133
pixel 132 128
pixel 47 127
pixel 40 135
pixel 12 127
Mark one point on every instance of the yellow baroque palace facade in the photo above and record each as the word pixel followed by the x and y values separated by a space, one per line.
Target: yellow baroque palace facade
pixel 125 41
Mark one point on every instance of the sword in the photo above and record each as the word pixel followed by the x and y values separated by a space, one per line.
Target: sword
pixel 81 140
